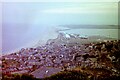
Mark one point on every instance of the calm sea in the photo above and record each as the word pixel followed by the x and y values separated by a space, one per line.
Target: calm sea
pixel 16 38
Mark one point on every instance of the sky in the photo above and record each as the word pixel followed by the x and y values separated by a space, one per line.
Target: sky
pixel 26 22
pixel 61 13
pixel 59 0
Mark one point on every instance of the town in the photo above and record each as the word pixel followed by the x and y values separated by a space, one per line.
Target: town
pixel 65 53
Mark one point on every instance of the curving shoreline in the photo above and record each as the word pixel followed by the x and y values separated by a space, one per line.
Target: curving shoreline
pixel 62 53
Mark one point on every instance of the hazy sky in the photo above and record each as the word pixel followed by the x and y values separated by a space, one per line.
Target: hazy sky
pixel 59 0
pixel 60 13
pixel 23 21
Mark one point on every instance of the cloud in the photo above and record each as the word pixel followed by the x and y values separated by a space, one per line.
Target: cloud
pixel 82 10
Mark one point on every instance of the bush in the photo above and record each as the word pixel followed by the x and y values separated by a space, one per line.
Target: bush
pixel 19 77
pixel 68 75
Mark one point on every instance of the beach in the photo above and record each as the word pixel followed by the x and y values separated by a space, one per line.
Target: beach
pixel 34 36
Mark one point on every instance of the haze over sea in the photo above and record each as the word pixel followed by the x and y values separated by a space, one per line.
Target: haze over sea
pixel 29 38
pixel 24 24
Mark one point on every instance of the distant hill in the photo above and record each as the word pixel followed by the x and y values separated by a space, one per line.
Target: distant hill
pixel 91 26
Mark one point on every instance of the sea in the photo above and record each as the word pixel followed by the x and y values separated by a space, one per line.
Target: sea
pixel 16 38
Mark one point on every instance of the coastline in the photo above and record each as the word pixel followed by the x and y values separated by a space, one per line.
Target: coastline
pixel 60 29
